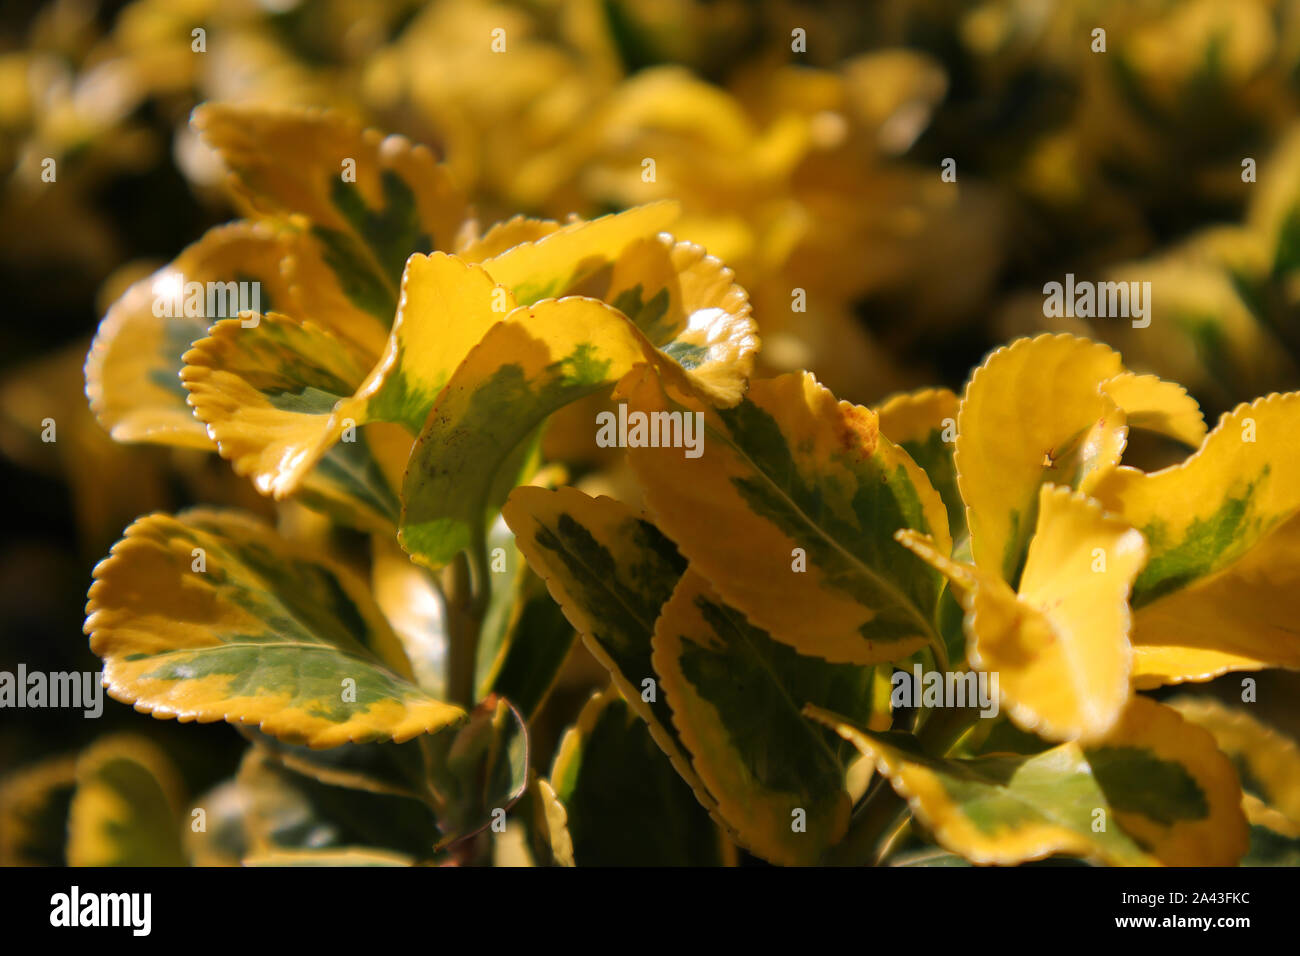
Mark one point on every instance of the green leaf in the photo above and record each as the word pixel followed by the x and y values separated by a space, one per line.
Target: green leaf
pixel 1155 791
pixel 624 803
pixel 296 163
pixel 1220 591
pixel 126 810
pixel 479 770
pixel 285 810
pixel 790 512
pixel 468 456
pixel 527 662
pixel 211 616
pixel 737 696
pixel 918 423
pixel 611 572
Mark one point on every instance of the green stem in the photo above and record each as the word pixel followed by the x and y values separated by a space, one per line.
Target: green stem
pixel 877 823
pixel 884 815
pixel 466 588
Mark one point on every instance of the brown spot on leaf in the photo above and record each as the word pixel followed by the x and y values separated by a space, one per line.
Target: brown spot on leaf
pixel 858 431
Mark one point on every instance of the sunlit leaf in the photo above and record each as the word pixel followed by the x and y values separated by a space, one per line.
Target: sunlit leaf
pixel 689 307
pixel 1030 415
pixel 553 264
pixel 1060 645
pixel 369 200
pixel 1220 589
pixel 468 456
pixel 133 368
pixel 265 633
pixel 265 393
pixel 790 509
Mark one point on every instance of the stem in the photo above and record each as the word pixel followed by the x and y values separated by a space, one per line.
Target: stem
pixel 884 815
pixel 875 826
pixel 466 589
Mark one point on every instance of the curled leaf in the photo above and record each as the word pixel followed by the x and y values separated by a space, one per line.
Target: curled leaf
pixel 1059 647
pixel 133 367
pixel 1219 591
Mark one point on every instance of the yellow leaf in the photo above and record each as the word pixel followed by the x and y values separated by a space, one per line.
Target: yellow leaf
pixel 126 808
pixel 1268 761
pixel 553 264
pixel 504 236
pixel 810 495
pixel 1157 406
pixel 1026 413
pixel 1219 591
pixel 212 616
pixel 368 200
pixel 132 370
pixel 1060 646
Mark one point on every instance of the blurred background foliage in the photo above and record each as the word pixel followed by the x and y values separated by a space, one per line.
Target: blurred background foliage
pixel 814 170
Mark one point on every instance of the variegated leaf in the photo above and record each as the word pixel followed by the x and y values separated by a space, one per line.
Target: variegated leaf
pixel 1059 647
pixel 1267 762
pixel 924 424
pixel 133 367
pixel 780 781
pixel 469 454
pixel 611 572
pixel 624 803
pixel 1220 590
pixel 1155 791
pixel 126 810
pixel 368 200
pixel 554 263
pixel 790 510
pixel 266 393
pixel 690 308
pixel 211 616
